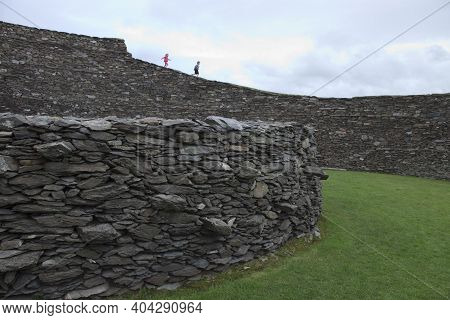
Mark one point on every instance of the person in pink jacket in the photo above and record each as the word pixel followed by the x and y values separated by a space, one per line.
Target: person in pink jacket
pixel 166 60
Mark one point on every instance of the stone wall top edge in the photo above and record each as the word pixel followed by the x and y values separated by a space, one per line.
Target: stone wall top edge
pixel 62 33
pixel 105 123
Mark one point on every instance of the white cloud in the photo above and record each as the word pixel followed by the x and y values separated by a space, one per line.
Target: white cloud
pixel 225 54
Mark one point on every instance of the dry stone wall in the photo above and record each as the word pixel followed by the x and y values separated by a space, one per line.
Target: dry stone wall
pixel 56 73
pixel 95 207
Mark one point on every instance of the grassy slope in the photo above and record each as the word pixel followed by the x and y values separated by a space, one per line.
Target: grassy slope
pixel 406 219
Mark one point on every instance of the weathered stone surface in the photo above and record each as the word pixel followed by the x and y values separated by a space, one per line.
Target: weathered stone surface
pixel 195 150
pixel 98 232
pixel 287 207
pixel 9 253
pixel 188 137
pixel 128 250
pixel 217 226
pixel 285 224
pixel 62 220
pixel 260 190
pixel 187 271
pixel 54 150
pixel 16 198
pixel 11 244
pixel 175 217
pixel 89 145
pixel 101 135
pixel 69 168
pixel 168 202
pixel 103 192
pixel 248 171
pixel 145 232
pixel 37 208
pixel 20 261
pixel 173 189
pixel 200 263
pixel 31 180
pixel 124 203
pixel 52 277
pixel 270 215
pixel 97 124
pixel 7 164
pixel 158 279
pixel 92 182
pixel 86 293
pixel 30 226
pixel 10 121
pixel 226 123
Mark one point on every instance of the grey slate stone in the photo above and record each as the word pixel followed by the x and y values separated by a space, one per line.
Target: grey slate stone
pixel 20 261
pixel 54 150
pixel 16 198
pixel 86 293
pixel 260 190
pixel 97 124
pixel 103 192
pixel 7 164
pixel 98 233
pixel 9 253
pixel 187 271
pixel 11 244
pixel 226 123
pixel 173 189
pixel 52 277
pixel 62 220
pixel 168 202
pixel 124 203
pixel 31 180
pixel 72 168
pixel 216 225
pixel 89 145
pixel 145 232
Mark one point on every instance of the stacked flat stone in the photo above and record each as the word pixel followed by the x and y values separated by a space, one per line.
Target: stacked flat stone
pixel 96 207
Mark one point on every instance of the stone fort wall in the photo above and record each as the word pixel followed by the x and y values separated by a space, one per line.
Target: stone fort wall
pixel 96 207
pixel 55 73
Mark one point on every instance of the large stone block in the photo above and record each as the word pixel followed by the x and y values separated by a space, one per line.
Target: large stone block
pixel 169 202
pixel 30 181
pixel 98 233
pixel 216 226
pixel 54 150
pixel 73 168
pixel 145 232
pixel 7 164
pixel 20 261
pixel 103 192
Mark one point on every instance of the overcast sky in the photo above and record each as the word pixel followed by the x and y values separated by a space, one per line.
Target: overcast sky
pixel 287 46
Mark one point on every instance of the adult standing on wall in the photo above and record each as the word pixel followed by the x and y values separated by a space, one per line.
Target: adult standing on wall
pixel 196 69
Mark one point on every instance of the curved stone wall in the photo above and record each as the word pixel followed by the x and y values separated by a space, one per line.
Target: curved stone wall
pixel 56 73
pixel 96 207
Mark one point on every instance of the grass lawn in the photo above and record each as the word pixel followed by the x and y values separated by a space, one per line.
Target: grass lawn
pixel 383 237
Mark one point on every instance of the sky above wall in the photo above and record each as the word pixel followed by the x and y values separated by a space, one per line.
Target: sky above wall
pixel 287 46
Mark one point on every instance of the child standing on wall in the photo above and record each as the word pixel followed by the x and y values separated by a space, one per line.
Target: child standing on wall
pixel 196 68
pixel 166 60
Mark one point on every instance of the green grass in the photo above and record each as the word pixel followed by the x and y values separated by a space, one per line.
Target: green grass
pixel 383 237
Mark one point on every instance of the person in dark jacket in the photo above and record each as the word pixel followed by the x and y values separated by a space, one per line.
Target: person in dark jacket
pixel 196 69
